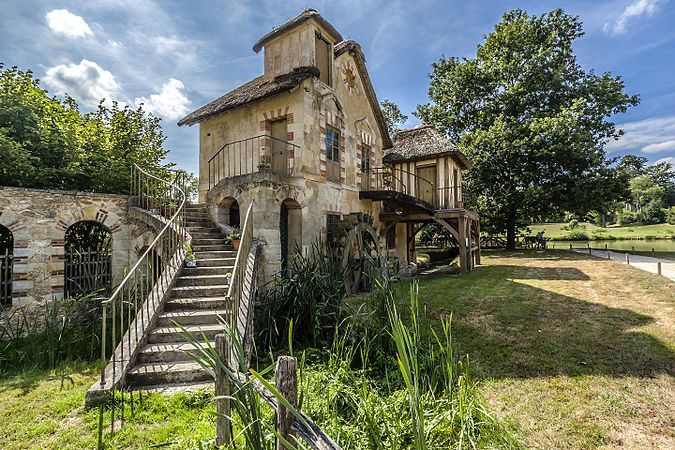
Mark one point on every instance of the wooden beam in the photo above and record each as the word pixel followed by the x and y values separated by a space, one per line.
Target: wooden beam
pixel 448 227
pixel 461 238
pixel 478 242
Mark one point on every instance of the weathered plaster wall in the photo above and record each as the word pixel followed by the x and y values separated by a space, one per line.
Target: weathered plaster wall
pixel 38 220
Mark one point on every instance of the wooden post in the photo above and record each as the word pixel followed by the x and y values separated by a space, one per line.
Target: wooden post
pixel 223 425
pixel 463 259
pixel 589 249
pixel 478 242
pixel 570 246
pixel 658 267
pixel 287 385
pixel 608 255
pixel 627 259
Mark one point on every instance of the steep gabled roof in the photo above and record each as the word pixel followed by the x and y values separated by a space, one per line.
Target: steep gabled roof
pixel 354 49
pixel 256 89
pixel 304 16
pixel 423 142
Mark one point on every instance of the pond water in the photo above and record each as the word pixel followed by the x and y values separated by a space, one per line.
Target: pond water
pixel 659 245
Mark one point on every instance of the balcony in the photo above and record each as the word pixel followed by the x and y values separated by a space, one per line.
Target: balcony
pixel 262 154
pixel 400 186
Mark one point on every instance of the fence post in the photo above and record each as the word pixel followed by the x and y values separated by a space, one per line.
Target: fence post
pixel 223 426
pixel 658 267
pixel 627 259
pixel 287 385
pixel 609 256
pixel 570 246
pixel 589 249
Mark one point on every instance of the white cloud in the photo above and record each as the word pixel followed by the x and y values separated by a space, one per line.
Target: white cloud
pixel 649 135
pixel 664 146
pixel 64 22
pixel 633 11
pixel 667 159
pixel 170 103
pixel 87 82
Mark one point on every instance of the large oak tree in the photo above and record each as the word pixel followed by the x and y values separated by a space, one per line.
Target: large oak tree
pixel 530 118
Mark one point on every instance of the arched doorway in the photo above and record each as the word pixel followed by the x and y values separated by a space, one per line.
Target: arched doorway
pixel 6 263
pixel 88 255
pixel 290 231
pixel 228 212
pixel 153 266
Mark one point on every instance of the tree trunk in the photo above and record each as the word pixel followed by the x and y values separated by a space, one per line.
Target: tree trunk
pixel 511 232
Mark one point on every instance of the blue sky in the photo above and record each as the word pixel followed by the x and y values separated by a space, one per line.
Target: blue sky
pixel 175 56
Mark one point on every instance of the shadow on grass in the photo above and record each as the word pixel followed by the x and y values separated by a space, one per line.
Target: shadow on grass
pixel 513 329
pixel 28 379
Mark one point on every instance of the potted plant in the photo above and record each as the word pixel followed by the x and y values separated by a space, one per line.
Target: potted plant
pixel 263 165
pixel 234 238
pixel 190 259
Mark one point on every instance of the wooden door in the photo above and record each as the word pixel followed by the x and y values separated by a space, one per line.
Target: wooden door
pixel 279 144
pixel 426 183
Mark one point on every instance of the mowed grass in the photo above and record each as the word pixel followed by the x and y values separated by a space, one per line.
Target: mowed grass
pixel 658 231
pixel 45 410
pixel 578 352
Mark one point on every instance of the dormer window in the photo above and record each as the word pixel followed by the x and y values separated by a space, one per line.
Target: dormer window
pixel 323 58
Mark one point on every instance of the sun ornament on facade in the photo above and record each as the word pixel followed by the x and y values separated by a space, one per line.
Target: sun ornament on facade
pixel 349 78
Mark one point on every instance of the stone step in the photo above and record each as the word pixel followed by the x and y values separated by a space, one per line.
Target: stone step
pixel 188 279
pixel 176 388
pixel 161 373
pixel 215 254
pixel 168 352
pixel 199 291
pixel 187 317
pixel 162 335
pixel 197 235
pixel 196 242
pixel 212 262
pixel 178 304
pixel 222 247
pixel 200 229
pixel 200 223
pixel 204 270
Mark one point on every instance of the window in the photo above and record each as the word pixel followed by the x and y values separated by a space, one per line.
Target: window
pixel 365 158
pixel 332 222
pixel 323 59
pixel 332 154
pixel 332 144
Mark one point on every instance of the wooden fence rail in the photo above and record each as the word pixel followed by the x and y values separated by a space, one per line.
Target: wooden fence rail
pixel 287 424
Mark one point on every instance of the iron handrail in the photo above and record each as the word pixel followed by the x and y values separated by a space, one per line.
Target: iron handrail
pixel 249 156
pixel 394 179
pixel 146 279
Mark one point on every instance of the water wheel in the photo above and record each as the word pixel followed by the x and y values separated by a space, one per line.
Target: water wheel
pixel 360 251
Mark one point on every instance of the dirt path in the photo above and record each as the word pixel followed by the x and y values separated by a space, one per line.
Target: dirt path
pixel 646 263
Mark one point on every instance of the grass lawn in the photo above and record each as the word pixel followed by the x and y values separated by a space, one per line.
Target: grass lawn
pixel 577 352
pixel 571 352
pixel 45 410
pixel 658 231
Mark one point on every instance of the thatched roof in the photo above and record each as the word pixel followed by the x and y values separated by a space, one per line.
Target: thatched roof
pixel 423 142
pixel 354 49
pixel 304 16
pixel 256 89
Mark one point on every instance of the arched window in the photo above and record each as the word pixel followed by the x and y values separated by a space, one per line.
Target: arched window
pixel 290 231
pixel 88 255
pixel 6 257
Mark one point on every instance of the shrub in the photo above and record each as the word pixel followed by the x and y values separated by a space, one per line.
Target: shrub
pixel 670 215
pixel 628 217
pixel 576 235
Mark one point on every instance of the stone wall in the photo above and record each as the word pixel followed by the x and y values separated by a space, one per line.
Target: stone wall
pixel 38 220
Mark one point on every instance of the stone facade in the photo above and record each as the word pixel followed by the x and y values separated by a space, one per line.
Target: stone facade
pixel 38 220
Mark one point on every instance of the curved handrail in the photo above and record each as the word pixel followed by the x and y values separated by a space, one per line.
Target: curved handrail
pixel 134 302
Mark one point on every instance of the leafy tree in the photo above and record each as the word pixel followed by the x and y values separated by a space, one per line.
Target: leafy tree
pixel 647 198
pixel 392 116
pixel 531 119
pixel 48 143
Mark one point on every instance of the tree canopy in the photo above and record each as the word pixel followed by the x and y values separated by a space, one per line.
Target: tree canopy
pixel 393 116
pixel 531 119
pixel 46 142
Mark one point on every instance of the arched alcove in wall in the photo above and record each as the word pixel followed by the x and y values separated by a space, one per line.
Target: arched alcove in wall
pixel 290 231
pixel 88 258
pixel 6 265
pixel 228 212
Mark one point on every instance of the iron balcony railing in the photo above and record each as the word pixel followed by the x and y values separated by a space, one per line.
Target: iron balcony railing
pixel 262 153
pixel 398 180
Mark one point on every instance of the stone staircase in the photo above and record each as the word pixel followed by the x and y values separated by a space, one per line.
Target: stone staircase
pixel 196 300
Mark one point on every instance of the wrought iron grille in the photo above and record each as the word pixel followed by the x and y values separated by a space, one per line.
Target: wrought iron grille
pixel 6 263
